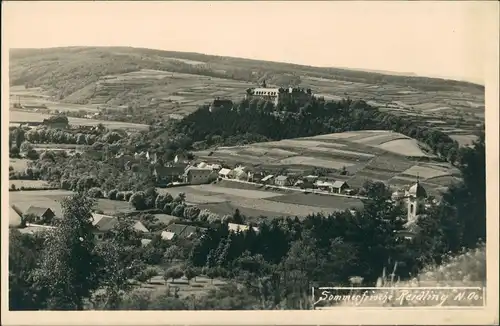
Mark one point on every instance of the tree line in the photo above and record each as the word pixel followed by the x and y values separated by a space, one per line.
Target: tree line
pixel 258 120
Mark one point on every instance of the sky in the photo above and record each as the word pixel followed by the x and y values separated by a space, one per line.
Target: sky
pixel 438 39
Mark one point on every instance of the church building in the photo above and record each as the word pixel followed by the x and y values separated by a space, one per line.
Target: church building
pixel 415 200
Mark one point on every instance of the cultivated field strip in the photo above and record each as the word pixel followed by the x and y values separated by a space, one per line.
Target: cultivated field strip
pixel 23 117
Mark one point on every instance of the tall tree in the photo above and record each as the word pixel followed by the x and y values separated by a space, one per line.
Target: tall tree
pixel 68 266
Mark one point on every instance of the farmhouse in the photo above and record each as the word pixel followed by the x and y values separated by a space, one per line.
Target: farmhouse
pixel 267 179
pixel 196 176
pixel 240 173
pixel 233 227
pixel 40 214
pixel 105 223
pixel 167 174
pixel 339 187
pixel 323 185
pixel 167 235
pixel 282 180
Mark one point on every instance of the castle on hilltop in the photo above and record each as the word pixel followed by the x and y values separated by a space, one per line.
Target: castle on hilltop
pixel 278 95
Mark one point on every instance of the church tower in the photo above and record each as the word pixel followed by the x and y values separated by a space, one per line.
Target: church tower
pixel 415 198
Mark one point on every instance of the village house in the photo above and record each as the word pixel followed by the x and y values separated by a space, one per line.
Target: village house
pixel 105 223
pixel 282 181
pixel 167 174
pixel 197 176
pixel 267 179
pixel 39 214
pixel 167 235
pixel 339 187
pixel 240 173
pixel 323 185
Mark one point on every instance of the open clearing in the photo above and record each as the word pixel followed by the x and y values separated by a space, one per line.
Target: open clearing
pixel 326 201
pixel 406 147
pixel 425 172
pixel 464 140
pixel 28 183
pixel 18 164
pixel 16 116
pixel 311 161
pixel 225 199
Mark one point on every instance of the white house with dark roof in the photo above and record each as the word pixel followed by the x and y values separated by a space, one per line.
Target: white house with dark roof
pixel 40 214
pixel 105 223
pixel 339 186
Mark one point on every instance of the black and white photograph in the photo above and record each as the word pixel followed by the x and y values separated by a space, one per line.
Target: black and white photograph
pixel 250 156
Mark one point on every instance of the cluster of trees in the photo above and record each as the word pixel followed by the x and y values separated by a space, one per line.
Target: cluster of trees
pixel 26 148
pixel 258 120
pixel 58 119
pixel 60 136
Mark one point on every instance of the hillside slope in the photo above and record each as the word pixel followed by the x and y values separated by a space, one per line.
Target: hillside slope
pixel 121 75
pixel 384 156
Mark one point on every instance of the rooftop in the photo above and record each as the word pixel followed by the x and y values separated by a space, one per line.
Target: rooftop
pixel 417 190
pixel 38 211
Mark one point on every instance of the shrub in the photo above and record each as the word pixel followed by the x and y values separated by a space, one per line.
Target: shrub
pixel 173 273
pixel 167 209
pixel 120 195
pixel 138 200
pixel 191 213
pixel 14 151
pixel 95 192
pixel 13 187
pixel 65 184
pixel 178 211
pixel 128 194
pixel 112 194
pixel 146 275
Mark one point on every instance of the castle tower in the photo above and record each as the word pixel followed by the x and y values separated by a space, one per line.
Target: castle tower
pixel 416 197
